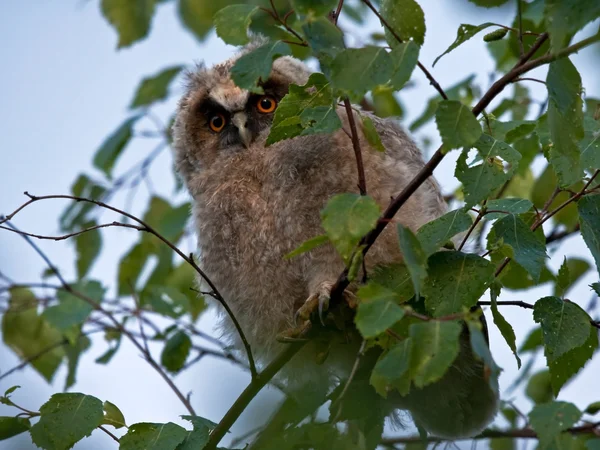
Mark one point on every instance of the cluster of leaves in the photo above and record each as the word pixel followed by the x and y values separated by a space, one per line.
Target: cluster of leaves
pixel 411 315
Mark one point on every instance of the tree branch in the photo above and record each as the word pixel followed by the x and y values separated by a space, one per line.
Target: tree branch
pixel 145 227
pixel 362 182
pixel 96 306
pixel 521 67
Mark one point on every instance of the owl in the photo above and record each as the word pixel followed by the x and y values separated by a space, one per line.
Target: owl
pixel 253 204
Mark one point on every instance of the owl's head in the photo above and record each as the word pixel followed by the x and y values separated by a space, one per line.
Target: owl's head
pixel 216 119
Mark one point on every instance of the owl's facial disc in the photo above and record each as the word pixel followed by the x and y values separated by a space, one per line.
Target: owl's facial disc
pixel 240 121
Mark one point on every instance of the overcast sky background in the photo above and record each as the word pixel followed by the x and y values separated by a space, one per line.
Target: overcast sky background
pixel 64 88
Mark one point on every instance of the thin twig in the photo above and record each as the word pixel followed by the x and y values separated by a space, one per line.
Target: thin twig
pixel 482 212
pixel 520 15
pixel 338 11
pixel 96 306
pixel 362 182
pixel 145 227
pixel 109 433
pixel 338 400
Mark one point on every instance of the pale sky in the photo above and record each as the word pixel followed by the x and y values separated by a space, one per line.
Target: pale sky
pixel 64 88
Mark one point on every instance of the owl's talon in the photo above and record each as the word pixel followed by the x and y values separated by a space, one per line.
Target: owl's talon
pixel 292 335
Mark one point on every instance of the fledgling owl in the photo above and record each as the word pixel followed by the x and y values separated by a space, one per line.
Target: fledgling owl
pixel 253 204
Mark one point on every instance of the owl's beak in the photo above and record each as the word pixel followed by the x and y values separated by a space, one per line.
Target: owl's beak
pixel 240 120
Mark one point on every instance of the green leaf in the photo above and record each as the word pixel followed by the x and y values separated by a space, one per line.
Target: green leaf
pixel 563 279
pixel 590 145
pixel 255 66
pixel 305 110
pixel 455 281
pixel 589 214
pixel 565 326
pixel 458 127
pixel 197 16
pixel 550 419
pixel 385 104
pixel 438 232
pixel 75 214
pixel 481 180
pixel 166 300
pixel 113 146
pixel 464 33
pixel 131 19
pixel 507 205
pixel 565 120
pixel 358 70
pixel 167 220
pixel 539 389
pixel 505 328
pixel 592 444
pixel 182 279
pixel 544 188
pixel 437 349
pixel 314 7
pixel 131 266
pixel 155 88
pixel 232 23
pixel 346 219
pixel 592 408
pixel 570 363
pixel 88 246
pixel 113 415
pixel 405 57
pixel 406 18
pixel 176 352
pixel 153 436
pixel 396 278
pixel 481 350
pixel 73 350
pixel 325 39
pixel 520 243
pixel 463 91
pixel 12 426
pixel 30 335
pixel 565 18
pixel 392 368
pixel 371 133
pixel 534 340
pixel 66 419
pixel 377 311
pixel 71 309
pixel 308 245
pixel 414 257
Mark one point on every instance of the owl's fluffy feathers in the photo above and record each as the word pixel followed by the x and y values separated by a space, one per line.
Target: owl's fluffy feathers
pixel 254 205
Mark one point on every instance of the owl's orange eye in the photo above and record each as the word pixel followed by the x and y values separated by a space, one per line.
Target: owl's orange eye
pixel 266 104
pixel 217 122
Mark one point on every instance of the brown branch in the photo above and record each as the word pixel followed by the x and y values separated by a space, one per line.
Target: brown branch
pixel 520 15
pixel 77 233
pixel 145 227
pixel 362 182
pixel 103 428
pixel 482 212
pixel 520 303
pixel 283 22
pixel 521 67
pixel 522 433
pixel 338 11
pixel 423 69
